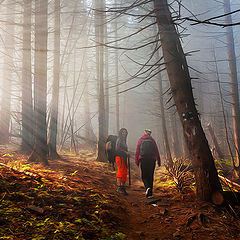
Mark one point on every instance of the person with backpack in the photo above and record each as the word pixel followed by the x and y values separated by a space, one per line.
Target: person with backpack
pixel 110 149
pixel 146 156
pixel 121 155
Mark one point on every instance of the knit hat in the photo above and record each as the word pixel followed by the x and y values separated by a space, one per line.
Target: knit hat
pixel 148 131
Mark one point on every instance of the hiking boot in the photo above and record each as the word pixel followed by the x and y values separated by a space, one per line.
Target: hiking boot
pixel 149 193
pixel 122 190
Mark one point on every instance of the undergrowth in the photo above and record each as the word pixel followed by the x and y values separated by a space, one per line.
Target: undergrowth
pixel 40 207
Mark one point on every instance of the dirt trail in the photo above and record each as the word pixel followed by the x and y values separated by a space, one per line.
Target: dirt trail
pixel 168 218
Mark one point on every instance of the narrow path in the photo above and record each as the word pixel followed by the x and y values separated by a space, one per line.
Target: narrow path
pixel 168 218
pixel 148 218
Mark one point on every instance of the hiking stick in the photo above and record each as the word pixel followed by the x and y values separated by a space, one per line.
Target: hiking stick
pixel 113 166
pixel 129 173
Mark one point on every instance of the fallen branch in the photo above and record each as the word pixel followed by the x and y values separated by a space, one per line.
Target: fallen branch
pixel 220 198
pixel 229 182
pixel 27 173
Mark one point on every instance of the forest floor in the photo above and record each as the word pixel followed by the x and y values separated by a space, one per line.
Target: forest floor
pixel 76 198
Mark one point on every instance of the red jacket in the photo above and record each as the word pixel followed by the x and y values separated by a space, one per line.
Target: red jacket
pixel 138 156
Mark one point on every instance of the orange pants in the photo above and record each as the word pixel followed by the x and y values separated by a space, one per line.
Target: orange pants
pixel 121 168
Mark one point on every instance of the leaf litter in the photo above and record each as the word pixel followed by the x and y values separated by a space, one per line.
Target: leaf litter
pixel 76 198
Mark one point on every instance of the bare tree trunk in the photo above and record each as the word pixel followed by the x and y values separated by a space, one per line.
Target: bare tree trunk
pixel 233 85
pixel 174 136
pixel 215 143
pixel 100 7
pixel 106 81
pixel 116 73
pixel 223 112
pixel 27 105
pixel 52 142
pixel 40 149
pixel 167 151
pixel 89 134
pixel 5 114
pixel 205 172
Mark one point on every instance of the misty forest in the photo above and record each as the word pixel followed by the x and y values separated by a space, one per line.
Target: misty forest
pixel 73 73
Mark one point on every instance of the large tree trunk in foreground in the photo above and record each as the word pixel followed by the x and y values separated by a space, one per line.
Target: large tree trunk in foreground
pixel 40 149
pixel 27 106
pixel 205 172
pixel 52 143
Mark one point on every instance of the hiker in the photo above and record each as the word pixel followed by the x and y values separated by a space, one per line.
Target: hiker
pixel 146 155
pixel 121 152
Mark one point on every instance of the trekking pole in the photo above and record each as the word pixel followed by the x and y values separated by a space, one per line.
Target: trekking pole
pixel 129 173
pixel 113 166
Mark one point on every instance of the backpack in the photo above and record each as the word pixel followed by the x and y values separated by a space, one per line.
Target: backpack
pixel 147 147
pixel 110 147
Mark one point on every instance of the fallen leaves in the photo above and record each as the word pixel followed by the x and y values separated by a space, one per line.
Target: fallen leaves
pixel 58 203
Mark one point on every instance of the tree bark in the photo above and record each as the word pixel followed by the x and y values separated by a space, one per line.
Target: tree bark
pixel 116 73
pixel 100 7
pixel 27 104
pixel 215 143
pixel 106 81
pixel 89 134
pixel 174 135
pixel 52 143
pixel 233 86
pixel 40 149
pixel 167 151
pixel 5 114
pixel 205 172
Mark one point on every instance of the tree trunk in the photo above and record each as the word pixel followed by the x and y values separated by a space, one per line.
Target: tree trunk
pixel 215 143
pixel 89 134
pixel 100 7
pixel 52 143
pixel 27 105
pixel 116 73
pixel 40 148
pixel 5 114
pixel 167 151
pixel 207 181
pixel 233 85
pixel 174 136
pixel 106 80
pixel 223 112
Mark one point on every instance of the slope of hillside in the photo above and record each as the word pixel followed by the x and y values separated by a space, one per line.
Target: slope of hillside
pixel 76 198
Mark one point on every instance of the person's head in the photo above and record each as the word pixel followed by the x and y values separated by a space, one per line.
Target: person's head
pixel 123 133
pixel 147 131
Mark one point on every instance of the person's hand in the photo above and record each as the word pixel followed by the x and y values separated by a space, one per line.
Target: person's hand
pixel 128 154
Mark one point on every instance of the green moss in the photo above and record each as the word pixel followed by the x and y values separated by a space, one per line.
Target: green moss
pixel 223 161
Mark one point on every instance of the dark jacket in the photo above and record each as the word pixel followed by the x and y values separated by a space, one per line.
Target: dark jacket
pixel 121 148
pixel 121 144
